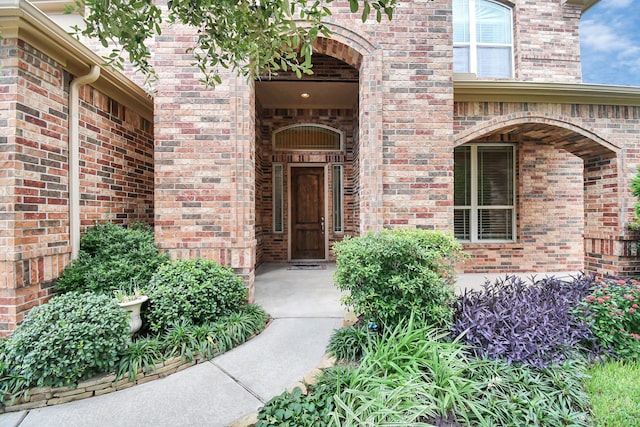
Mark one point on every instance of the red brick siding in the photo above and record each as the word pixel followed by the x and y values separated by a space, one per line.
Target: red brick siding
pixel 547 41
pixel 34 224
pixel 116 162
pixel 204 160
pixel 550 216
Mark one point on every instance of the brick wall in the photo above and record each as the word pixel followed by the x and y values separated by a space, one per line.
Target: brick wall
pixel 116 161
pixel 204 160
pixel 34 216
pixel 550 216
pixel 547 41
pixel 600 136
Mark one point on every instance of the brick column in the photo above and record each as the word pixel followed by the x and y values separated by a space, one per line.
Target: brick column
pixel 204 160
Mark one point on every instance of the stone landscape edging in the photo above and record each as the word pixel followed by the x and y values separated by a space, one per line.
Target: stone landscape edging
pixel 39 397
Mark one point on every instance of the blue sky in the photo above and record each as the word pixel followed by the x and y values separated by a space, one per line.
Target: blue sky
pixel 610 43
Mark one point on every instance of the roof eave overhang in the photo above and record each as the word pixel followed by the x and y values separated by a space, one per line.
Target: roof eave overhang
pixel 586 4
pixel 552 93
pixel 20 19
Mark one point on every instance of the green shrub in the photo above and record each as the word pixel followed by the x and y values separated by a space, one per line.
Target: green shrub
pixel 349 343
pixel 635 190
pixel 294 409
pixel 112 257
pixel 613 310
pixel 73 337
pixel 395 272
pixel 197 291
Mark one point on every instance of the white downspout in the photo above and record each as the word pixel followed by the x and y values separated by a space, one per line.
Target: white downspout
pixel 74 158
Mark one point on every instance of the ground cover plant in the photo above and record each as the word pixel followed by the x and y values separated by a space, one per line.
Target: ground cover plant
pixel 393 273
pixel 350 343
pixel 188 340
pixel 295 409
pixel 532 323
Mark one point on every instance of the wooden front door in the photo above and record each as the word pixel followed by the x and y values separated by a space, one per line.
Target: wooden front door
pixel 307 213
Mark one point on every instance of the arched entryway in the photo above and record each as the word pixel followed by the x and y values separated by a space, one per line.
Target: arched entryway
pixel 313 154
pixel 568 206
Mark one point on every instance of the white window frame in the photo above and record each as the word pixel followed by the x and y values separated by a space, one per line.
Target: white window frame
pixel 473 43
pixel 474 208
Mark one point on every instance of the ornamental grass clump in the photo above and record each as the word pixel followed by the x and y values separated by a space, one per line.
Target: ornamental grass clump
pixel 350 343
pixel 613 310
pixel 393 273
pixel 514 321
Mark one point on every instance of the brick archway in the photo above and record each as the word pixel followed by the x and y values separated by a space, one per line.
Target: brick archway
pixel 365 56
pixel 602 199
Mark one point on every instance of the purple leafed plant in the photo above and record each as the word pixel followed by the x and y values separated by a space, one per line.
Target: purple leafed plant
pixel 516 321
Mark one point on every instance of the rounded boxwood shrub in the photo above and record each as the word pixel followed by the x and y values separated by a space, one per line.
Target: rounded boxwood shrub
pixel 196 291
pixel 393 273
pixel 112 257
pixel 72 337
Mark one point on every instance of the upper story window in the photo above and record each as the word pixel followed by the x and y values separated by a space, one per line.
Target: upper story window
pixel 482 38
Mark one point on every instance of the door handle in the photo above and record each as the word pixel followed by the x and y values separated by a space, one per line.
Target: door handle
pixel 322 224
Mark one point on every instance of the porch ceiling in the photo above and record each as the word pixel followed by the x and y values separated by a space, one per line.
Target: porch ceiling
pixel 566 139
pixel 322 94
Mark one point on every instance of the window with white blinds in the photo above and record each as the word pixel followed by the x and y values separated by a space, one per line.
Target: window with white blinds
pixel 484 193
pixel 278 198
pixel 482 38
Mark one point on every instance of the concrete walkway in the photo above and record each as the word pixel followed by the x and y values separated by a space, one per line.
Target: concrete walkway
pixel 306 310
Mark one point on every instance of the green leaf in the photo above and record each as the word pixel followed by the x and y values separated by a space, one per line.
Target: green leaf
pixel 365 11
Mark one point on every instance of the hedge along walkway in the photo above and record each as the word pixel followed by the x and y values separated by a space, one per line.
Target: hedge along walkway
pixel 225 389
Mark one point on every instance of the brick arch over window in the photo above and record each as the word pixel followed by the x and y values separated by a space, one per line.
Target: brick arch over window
pixel 365 56
pixel 554 131
pixel 603 193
